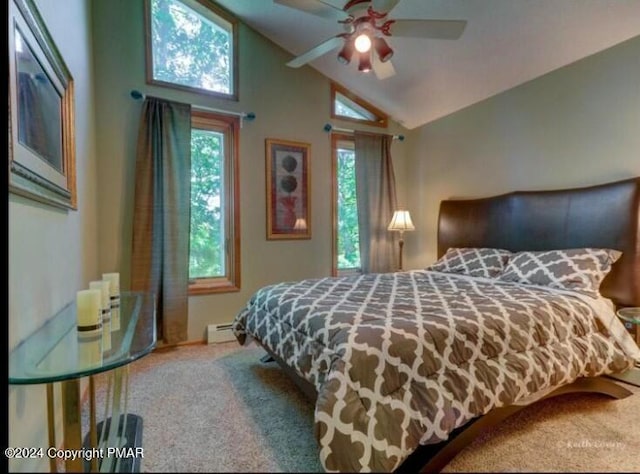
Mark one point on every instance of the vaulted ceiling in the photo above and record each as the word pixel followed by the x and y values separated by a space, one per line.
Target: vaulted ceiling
pixel 505 43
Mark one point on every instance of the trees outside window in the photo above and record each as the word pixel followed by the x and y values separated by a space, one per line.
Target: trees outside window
pixel 191 44
pixel 346 255
pixel 214 244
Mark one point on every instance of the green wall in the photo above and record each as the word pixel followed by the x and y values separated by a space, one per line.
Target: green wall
pixel 576 126
pixel 290 104
pixel 53 253
pixel 572 127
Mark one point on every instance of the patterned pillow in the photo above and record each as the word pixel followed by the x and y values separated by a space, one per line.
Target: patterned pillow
pixel 579 270
pixel 475 262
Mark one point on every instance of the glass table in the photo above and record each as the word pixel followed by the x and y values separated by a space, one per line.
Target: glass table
pixel 630 315
pixel 631 318
pixel 57 352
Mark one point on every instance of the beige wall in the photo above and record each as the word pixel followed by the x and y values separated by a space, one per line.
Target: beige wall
pixel 291 104
pixel 53 253
pixel 576 126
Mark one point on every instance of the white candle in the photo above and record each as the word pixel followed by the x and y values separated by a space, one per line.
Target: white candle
pixel 114 291
pixel 88 309
pixel 114 279
pixel 103 286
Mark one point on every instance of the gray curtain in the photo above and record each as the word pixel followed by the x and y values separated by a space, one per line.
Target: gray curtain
pixel 376 198
pixel 161 216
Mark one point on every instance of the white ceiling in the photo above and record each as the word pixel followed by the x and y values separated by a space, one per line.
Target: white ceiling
pixel 505 43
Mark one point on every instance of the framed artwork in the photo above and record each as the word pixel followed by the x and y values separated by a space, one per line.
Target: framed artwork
pixel 41 112
pixel 288 190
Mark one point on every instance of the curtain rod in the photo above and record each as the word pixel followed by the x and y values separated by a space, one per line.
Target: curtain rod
pixel 330 128
pixel 137 95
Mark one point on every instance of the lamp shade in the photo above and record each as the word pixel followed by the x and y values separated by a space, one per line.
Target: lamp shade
pixel 365 62
pixel 301 224
pixel 346 53
pixel 383 50
pixel 401 221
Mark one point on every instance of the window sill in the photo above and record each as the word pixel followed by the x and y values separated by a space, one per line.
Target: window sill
pixel 209 287
pixel 349 272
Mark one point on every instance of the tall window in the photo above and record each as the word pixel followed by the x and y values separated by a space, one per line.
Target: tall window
pixel 214 246
pixel 191 44
pixel 346 254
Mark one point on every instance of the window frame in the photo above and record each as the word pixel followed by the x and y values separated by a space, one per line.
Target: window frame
pixel 336 138
pixel 229 126
pixel 215 10
pixel 382 118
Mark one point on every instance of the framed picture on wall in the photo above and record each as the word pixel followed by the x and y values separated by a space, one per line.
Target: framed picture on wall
pixel 41 112
pixel 288 190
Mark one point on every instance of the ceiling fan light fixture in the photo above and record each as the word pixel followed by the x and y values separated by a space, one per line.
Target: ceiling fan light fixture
pixel 383 50
pixel 346 53
pixel 363 43
pixel 365 62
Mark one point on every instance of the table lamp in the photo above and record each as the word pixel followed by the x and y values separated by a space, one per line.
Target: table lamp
pixel 301 224
pixel 401 222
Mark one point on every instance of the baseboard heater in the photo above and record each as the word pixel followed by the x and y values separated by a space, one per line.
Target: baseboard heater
pixel 219 333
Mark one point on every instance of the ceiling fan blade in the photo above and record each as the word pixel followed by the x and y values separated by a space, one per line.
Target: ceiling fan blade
pixel 317 51
pixel 438 29
pixel 322 8
pixel 383 6
pixel 383 70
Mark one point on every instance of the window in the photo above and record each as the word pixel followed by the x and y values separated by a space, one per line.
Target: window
pixel 214 244
pixel 347 106
pixel 191 44
pixel 346 247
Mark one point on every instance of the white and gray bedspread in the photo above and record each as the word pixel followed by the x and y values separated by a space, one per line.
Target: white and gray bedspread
pixel 402 359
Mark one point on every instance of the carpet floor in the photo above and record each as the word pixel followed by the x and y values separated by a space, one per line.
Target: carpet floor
pixel 217 408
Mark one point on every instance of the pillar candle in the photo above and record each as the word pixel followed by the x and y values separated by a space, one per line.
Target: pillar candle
pixel 103 286
pixel 114 279
pixel 114 298
pixel 105 301
pixel 88 309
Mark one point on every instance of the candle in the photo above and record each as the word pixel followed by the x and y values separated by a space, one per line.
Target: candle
pixel 114 279
pixel 114 298
pixel 88 309
pixel 103 286
pixel 105 301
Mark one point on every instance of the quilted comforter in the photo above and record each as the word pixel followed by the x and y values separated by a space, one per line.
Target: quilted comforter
pixel 402 359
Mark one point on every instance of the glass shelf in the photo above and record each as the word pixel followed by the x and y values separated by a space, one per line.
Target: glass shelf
pixel 56 352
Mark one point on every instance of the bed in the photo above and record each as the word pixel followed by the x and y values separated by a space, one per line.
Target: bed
pixel 407 368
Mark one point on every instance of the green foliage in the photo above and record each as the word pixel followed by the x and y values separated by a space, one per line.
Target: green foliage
pixel 189 49
pixel 348 245
pixel 207 235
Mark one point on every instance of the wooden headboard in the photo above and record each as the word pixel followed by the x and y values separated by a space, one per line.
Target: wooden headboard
pixel 604 216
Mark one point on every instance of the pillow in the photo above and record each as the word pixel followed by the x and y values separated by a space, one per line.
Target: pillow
pixel 475 262
pixel 580 270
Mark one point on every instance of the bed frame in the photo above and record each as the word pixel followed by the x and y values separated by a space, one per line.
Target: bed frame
pixel 604 216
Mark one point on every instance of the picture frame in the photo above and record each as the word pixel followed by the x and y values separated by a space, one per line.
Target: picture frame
pixel 288 189
pixel 41 112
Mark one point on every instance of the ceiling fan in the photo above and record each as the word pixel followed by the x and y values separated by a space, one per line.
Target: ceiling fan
pixel 366 25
